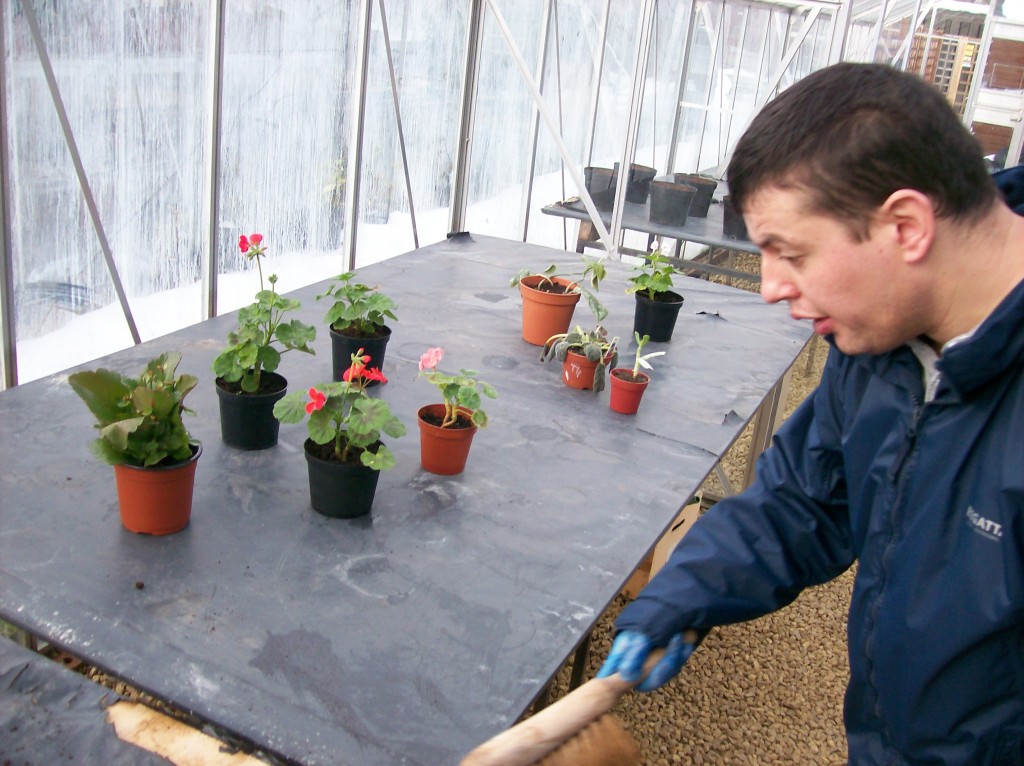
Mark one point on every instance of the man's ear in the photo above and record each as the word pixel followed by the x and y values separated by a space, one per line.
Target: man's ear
pixel 909 218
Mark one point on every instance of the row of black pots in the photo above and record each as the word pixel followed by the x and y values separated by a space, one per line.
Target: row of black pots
pixel 247 421
pixel 674 197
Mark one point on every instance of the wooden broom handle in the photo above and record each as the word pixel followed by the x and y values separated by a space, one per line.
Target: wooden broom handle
pixel 530 740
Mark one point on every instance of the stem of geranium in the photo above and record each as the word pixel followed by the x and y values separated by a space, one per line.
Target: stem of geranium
pixel 450 415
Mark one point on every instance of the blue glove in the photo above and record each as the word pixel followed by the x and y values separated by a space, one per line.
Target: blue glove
pixel 629 652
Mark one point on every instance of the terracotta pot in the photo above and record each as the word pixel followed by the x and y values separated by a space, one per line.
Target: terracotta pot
pixel 579 372
pixel 343 346
pixel 339 490
pixel 444 450
pixel 247 420
pixel 625 394
pixel 657 317
pixel 546 314
pixel 157 500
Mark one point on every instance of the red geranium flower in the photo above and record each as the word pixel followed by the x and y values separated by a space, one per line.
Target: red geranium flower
pixel 373 373
pixel 256 239
pixel 317 399
pixel 359 363
pixel 243 243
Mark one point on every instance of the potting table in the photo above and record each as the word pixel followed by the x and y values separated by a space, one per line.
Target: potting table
pixel 410 635
pixel 636 217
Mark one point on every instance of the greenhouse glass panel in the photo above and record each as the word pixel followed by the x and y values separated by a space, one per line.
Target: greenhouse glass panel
pixel 129 75
pixel 500 153
pixel 284 141
pixel 570 82
pixel 427 53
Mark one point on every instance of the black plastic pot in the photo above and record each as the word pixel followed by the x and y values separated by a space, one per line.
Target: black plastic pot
pixel 670 202
pixel 705 191
pixel 339 490
pixel 344 346
pixel 638 184
pixel 733 225
pixel 599 186
pixel 247 420
pixel 657 318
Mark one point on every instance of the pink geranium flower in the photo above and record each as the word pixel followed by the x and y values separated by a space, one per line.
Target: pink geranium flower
pixel 316 401
pixel 243 243
pixel 431 358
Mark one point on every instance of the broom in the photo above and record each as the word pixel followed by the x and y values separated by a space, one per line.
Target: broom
pixel 577 730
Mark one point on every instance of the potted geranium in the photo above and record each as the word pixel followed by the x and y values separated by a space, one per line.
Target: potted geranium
pixel 584 354
pixel 657 305
pixel 550 298
pixel 247 384
pixel 628 385
pixel 357 320
pixel 143 436
pixel 447 429
pixel 344 451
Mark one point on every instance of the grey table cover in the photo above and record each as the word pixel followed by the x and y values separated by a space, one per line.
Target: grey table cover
pixel 412 634
pixel 52 715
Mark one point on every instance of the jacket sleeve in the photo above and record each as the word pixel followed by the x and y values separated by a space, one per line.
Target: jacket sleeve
pixel 753 553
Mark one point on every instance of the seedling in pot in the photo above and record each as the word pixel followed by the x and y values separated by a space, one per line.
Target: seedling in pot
pixel 592 274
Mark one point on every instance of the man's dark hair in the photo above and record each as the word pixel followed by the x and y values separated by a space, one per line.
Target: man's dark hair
pixel 851 135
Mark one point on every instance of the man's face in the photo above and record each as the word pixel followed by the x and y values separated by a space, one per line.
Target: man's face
pixel 851 290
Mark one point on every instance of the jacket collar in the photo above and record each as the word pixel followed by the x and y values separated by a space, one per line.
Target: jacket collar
pixel 996 345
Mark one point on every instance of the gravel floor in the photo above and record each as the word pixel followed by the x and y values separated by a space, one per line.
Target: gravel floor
pixel 767 691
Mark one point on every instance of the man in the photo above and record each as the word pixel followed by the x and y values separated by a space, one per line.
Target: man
pixel 878 222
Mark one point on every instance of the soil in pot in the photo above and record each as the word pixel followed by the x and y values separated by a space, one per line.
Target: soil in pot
pixel 444 451
pixel 340 490
pixel 345 343
pixel 670 202
pixel 548 306
pixel 657 316
pixel 626 390
pixel 247 419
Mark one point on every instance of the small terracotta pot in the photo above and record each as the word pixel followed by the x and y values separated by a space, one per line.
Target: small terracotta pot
pixel 156 501
pixel 546 314
pixel 578 371
pixel 625 394
pixel 444 450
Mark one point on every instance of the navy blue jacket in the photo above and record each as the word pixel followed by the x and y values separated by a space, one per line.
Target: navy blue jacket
pixel 929 499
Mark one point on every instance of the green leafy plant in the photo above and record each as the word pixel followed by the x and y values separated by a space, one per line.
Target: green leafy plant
pixel 456 390
pixel 641 360
pixel 594 345
pixel 139 419
pixel 587 282
pixel 261 325
pixel 358 310
pixel 343 415
pixel 652 276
